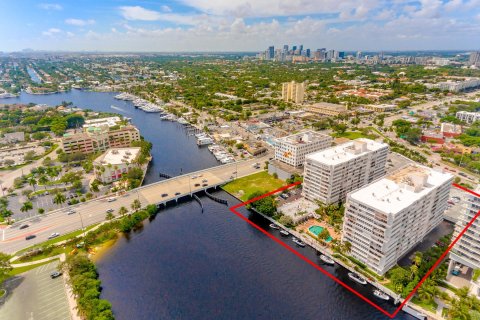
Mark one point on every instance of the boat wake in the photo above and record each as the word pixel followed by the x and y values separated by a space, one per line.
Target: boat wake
pixel 119 109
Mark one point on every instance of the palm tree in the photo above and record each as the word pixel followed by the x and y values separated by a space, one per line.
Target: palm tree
pixel 27 206
pixel 122 211
pixel 347 246
pixel 109 216
pixel 418 258
pixel 136 205
pixel 43 180
pixel 59 198
pixel 32 182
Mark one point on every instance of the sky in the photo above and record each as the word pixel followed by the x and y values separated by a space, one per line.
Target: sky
pixel 239 25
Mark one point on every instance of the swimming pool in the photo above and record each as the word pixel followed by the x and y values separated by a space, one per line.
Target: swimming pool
pixel 315 230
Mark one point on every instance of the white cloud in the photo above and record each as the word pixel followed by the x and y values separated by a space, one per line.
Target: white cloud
pixel 50 6
pixel 51 32
pixel 79 22
pixel 166 9
pixel 141 14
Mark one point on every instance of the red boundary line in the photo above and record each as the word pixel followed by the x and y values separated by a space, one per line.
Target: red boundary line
pixel 328 274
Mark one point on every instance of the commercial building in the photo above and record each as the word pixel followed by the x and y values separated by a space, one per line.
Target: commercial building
pixel 468 117
pixel 114 163
pixel 332 173
pixel 387 218
pixel 380 107
pixel 293 91
pixel 293 149
pixel 95 139
pixel 328 109
pixel 455 86
pixel 109 121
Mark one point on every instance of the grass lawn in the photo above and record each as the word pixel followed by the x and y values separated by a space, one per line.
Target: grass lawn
pixel 352 135
pixel 245 186
pixel 19 270
pixel 67 236
pixel 427 305
pixel 54 252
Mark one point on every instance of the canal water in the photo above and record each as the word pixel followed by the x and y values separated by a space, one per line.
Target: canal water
pixel 189 264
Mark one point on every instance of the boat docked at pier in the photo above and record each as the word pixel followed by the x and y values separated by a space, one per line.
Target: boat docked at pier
pixel 125 96
pixel 298 242
pixel 381 295
pixel 327 259
pixel 355 277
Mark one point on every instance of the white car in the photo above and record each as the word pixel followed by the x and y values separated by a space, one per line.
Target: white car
pixel 111 199
pixel 54 235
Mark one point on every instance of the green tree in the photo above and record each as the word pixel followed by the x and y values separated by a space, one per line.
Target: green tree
pixel 59 198
pixel 109 216
pixel 122 211
pixel 286 221
pixel 32 182
pixel 136 204
pixel 5 267
pixel 27 206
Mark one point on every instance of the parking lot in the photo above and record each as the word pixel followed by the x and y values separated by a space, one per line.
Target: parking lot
pixel 38 297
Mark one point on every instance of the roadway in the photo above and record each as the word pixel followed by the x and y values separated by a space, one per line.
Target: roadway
pixel 12 239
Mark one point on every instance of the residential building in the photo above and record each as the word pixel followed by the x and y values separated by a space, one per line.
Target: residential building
pixel 13 137
pixel 95 139
pixel 293 149
pixel 455 86
pixel 328 109
pixel 387 218
pixel 114 163
pixel 293 91
pixel 474 59
pixel 468 117
pixel 332 173
pixel 466 251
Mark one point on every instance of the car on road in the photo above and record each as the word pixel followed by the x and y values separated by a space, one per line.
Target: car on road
pixel 197 184
pixel 24 226
pixel 53 235
pixel 30 236
pixel 205 185
pixel 55 274
pixel 69 212
pixel 177 193
pixel 111 199
pixel 109 210
pixel 194 177
pixel 164 195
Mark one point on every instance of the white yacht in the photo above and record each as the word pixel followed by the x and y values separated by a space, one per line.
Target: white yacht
pixel 327 259
pixel 355 277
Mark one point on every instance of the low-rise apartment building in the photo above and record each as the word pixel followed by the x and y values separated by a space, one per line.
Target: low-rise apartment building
pixel 293 149
pixel 95 139
pixel 468 117
pixel 332 173
pixel 387 218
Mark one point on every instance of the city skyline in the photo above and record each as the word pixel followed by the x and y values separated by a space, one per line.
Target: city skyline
pixel 200 25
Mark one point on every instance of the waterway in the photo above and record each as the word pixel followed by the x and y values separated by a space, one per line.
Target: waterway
pixel 33 75
pixel 186 264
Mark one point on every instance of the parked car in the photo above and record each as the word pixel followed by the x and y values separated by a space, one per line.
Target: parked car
pixel 197 184
pixel 204 180
pixel 177 193
pixel 164 195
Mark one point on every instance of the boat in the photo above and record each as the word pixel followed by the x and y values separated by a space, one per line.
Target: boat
pixel 298 242
pixel 326 259
pixel 380 294
pixel 273 226
pixel 357 278
pixel 284 233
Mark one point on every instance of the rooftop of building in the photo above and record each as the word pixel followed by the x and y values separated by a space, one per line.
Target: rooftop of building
pixel 347 151
pixel 115 156
pixel 401 188
pixel 304 137
pixel 330 106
